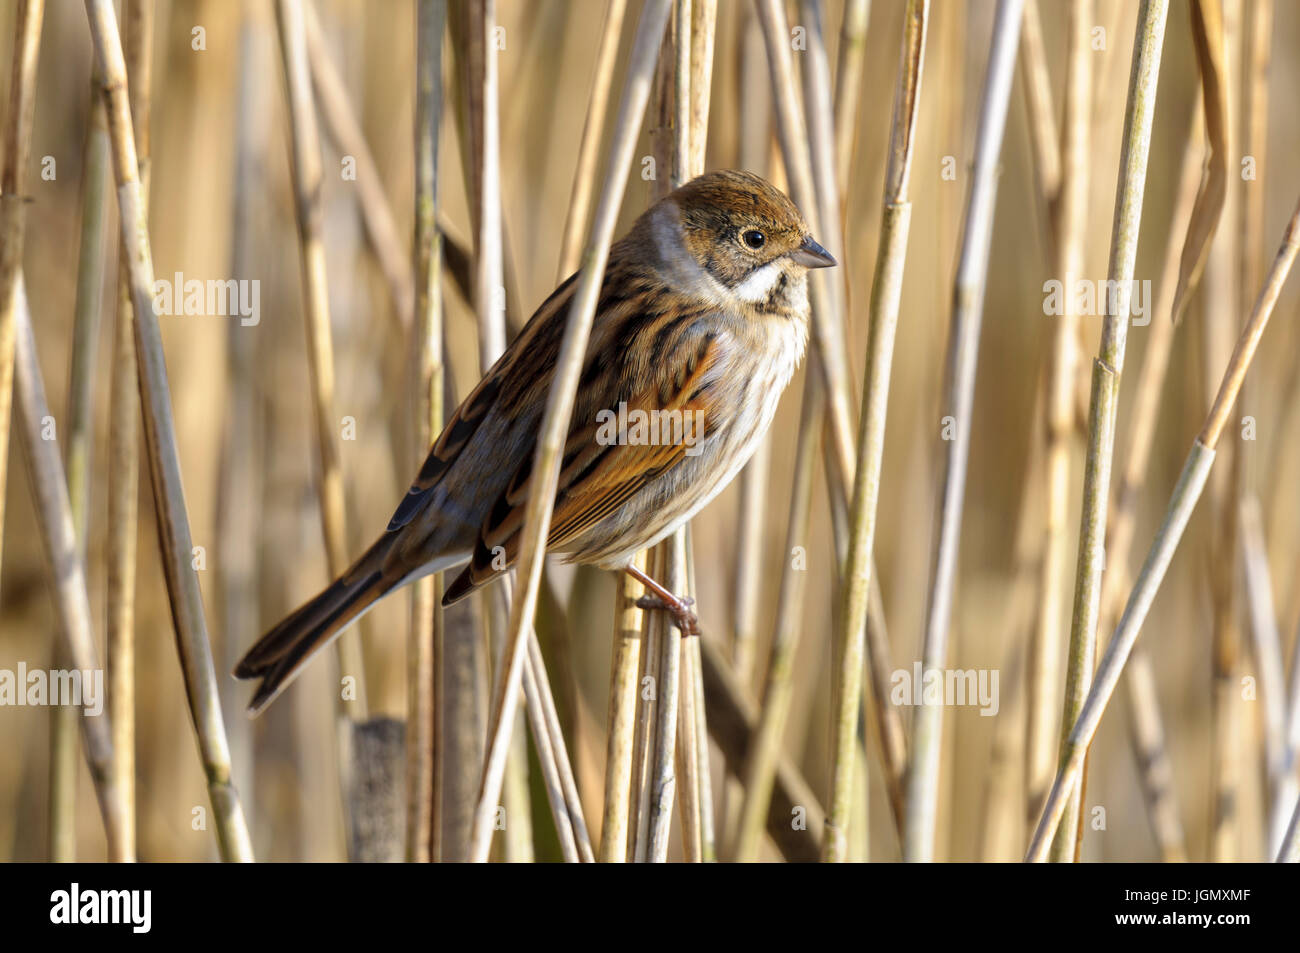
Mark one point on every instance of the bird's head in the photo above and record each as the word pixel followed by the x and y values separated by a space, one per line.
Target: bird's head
pixel 748 236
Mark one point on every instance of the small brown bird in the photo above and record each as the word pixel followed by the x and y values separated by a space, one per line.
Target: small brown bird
pixel 701 321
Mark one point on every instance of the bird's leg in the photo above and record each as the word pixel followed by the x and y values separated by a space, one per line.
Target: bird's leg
pixel 657 597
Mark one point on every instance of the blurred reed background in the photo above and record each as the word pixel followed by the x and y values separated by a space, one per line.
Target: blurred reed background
pixel 320 777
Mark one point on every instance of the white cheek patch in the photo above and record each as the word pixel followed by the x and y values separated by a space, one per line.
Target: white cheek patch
pixel 757 288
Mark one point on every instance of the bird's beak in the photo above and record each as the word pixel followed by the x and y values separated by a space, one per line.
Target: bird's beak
pixel 811 255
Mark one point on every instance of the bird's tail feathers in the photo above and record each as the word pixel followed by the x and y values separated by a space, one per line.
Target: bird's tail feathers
pixel 281 653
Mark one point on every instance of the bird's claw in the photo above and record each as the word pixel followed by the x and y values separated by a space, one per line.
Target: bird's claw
pixel 679 608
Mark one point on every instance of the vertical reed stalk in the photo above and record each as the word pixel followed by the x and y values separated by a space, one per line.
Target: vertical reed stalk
pixel 426 604
pixel 886 297
pixel 85 335
pixel 621 720
pixel 308 180
pixel 584 173
pixel 759 770
pixel 1071 222
pixel 17 145
pixel 1147 731
pixel 59 540
pixel 968 310
pixel 164 462
pixel 1108 366
pixel 342 127
pixel 559 409
pixel 828 329
pixel 848 85
pixel 1181 504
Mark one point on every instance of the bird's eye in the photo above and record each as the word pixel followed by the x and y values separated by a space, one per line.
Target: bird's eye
pixel 754 238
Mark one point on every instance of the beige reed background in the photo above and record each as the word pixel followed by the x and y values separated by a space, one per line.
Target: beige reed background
pixel 242 399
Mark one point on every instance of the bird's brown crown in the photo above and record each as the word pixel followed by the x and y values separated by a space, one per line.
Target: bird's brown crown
pixel 736 221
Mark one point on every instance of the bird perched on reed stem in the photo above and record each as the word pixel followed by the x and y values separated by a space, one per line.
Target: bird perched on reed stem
pixel 701 321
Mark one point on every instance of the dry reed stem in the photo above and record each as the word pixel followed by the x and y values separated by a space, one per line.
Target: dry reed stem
pixel 124 441
pixel 244 452
pixel 1108 366
pixel 652 636
pixel 17 145
pixel 1144 707
pixel 63 559
pixel 848 85
pixel 550 728
pixel 305 166
pixel 662 782
pixel 160 441
pixel 1211 58
pixel 795 820
pixel 559 408
pixel 1044 650
pixel 1070 233
pixel 426 604
pixel 584 172
pixel 342 127
pixel 886 298
pixel 1181 503
pixel 80 424
pixel 1271 671
pixel 621 719
pixel 828 330
pixel 968 305
pixel 759 770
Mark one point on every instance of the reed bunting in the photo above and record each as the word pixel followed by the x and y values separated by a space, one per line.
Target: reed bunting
pixel 701 321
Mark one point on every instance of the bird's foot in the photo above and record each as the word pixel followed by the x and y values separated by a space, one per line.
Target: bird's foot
pixel 678 606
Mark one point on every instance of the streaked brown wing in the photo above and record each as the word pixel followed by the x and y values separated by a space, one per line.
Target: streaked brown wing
pixel 597 478
pixel 542 329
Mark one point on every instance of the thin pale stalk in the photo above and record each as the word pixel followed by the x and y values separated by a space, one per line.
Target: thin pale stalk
pixel 1107 368
pixel 17 145
pixel 1289 853
pixel 759 771
pixel 584 173
pixel 886 298
pixel 795 820
pixel 668 691
pixel 1271 671
pixel 1147 730
pixel 828 330
pixel 124 440
pixel 1047 151
pixel 342 127
pixel 160 440
pixel 305 166
pixel 621 720
pixel 848 85
pixel 63 559
pixel 1151 751
pixel 550 727
pixel 1182 502
pixel 489 283
pixel 559 410
pixel 968 310
pixel 653 625
pixel 239 511
pixel 546 757
pixel 426 604
pixel 1071 223
pixel 85 335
